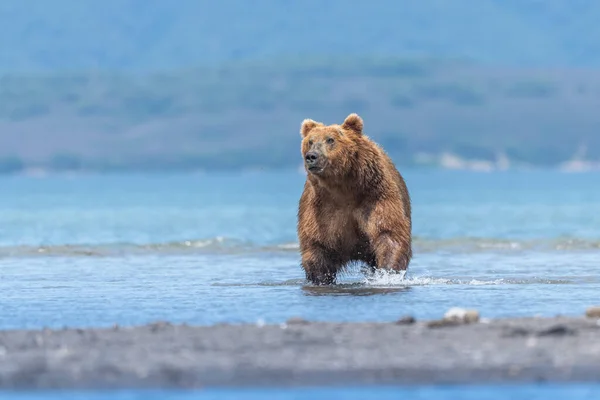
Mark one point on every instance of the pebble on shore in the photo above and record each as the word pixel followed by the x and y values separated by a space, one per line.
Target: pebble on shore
pixel 315 353
pixel 456 316
pixel 462 315
pixel 593 312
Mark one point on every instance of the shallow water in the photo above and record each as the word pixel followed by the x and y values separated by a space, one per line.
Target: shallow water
pixel 458 392
pixel 202 249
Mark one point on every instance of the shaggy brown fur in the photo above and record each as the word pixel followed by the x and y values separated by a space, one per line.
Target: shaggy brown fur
pixel 355 206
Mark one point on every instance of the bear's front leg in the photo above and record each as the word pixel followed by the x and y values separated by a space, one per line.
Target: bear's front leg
pixel 391 253
pixel 320 265
pixel 389 232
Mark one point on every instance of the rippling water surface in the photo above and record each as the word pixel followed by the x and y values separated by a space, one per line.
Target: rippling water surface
pixel 201 249
pixel 458 392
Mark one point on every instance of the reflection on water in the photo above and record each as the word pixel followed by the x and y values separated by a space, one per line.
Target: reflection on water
pixel 351 290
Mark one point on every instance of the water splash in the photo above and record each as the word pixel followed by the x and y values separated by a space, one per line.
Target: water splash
pixel 382 278
pixel 387 282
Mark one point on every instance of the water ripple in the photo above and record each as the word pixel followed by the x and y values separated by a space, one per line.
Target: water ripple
pixel 222 245
pixel 384 279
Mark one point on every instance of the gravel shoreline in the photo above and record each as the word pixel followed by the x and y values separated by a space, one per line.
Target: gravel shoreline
pixel 303 353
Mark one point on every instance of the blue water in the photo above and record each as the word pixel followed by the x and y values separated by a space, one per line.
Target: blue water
pixel 490 392
pixel 208 248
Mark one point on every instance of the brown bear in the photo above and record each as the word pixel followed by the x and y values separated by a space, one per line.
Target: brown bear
pixel 355 206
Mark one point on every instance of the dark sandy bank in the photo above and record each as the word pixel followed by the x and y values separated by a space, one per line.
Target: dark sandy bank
pixel 303 353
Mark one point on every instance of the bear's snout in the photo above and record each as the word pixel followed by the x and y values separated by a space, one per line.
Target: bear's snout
pixel 311 158
pixel 314 162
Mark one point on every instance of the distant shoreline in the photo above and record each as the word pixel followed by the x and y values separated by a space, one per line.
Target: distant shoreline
pixel 304 353
pixel 423 112
pixel 462 166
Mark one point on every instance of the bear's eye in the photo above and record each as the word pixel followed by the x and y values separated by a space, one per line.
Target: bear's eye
pixel 329 140
pixel 310 142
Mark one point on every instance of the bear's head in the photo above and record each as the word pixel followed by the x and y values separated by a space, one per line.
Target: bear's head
pixel 329 150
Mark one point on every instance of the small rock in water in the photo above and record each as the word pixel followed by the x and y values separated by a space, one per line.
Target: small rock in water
pixel 406 320
pixel 461 315
pixel 593 312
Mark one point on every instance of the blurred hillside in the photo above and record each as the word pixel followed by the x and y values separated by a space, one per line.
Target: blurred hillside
pixel 131 84
pixel 151 34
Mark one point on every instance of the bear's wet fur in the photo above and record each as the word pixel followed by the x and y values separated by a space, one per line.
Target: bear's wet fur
pixel 355 207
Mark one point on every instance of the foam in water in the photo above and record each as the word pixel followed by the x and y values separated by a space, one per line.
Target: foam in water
pixel 388 278
pixel 383 278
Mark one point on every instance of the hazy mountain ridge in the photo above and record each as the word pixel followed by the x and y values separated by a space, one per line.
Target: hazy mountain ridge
pixel 421 111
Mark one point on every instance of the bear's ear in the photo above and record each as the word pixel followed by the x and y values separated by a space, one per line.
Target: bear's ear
pixel 354 123
pixel 307 126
